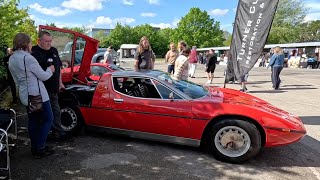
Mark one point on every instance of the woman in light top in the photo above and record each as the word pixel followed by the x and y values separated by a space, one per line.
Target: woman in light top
pixel 182 65
pixel 28 76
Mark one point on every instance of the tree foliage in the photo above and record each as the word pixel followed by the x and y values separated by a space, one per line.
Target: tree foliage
pixel 310 31
pixel 287 21
pixel 198 29
pixel 12 21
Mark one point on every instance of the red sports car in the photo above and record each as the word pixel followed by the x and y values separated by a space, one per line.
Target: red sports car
pixel 232 125
pixel 152 105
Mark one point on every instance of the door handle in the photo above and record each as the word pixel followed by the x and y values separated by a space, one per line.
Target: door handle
pixel 118 100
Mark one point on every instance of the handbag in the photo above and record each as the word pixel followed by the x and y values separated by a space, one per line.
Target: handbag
pixel 35 103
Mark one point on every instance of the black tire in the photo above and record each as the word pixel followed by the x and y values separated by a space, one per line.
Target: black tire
pixel 65 64
pixel 71 118
pixel 99 59
pixel 247 141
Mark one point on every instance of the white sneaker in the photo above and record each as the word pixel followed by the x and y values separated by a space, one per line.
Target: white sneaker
pixel 208 82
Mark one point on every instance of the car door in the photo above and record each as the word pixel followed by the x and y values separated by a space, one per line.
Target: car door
pixel 122 103
pixel 157 113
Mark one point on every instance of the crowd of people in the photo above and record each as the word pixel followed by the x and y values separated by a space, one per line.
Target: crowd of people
pixel 35 70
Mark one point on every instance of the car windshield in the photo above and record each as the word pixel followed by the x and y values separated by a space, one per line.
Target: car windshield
pixel 191 89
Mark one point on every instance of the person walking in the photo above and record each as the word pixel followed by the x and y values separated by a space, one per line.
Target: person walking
pixel 29 77
pixel 276 64
pixel 144 56
pixel 182 65
pixel 193 61
pixel 47 55
pixel 211 65
pixel 171 57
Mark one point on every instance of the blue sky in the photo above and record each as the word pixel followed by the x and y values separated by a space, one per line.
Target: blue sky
pixel 158 13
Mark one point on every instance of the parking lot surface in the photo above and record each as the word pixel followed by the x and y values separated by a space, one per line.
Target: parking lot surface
pixel 103 156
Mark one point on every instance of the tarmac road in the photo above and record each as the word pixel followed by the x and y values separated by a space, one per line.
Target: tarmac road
pixel 104 156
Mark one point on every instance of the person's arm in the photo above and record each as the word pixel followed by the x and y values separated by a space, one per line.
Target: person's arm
pixel 153 59
pixel 166 57
pixel 37 70
pixel 136 62
pixel 61 85
pixel 272 60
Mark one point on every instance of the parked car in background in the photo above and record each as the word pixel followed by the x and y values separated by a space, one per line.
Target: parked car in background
pixel 126 55
pixel 99 56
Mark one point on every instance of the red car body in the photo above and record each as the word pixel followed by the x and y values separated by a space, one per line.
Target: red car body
pixel 233 125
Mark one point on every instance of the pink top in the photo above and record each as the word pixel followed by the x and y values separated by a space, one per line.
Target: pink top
pixel 193 56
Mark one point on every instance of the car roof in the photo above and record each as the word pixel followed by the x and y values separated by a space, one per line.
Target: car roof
pixel 141 73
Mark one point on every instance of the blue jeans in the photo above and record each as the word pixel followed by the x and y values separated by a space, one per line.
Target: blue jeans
pixel 171 69
pixel 39 125
pixel 275 76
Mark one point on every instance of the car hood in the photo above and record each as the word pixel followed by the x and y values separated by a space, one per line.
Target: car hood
pixel 232 96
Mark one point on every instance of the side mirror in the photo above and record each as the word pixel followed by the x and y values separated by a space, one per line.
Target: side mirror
pixel 171 96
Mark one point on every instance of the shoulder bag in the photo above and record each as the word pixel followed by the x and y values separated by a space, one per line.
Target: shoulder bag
pixel 34 102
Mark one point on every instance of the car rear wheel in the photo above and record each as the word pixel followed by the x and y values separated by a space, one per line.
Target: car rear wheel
pixel 234 141
pixel 99 59
pixel 71 118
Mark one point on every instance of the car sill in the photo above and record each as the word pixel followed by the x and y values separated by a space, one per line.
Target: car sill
pixel 151 136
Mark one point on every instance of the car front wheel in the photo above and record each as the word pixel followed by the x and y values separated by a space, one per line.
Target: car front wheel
pixel 234 141
pixel 71 118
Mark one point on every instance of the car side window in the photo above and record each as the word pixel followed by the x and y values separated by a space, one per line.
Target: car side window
pixel 136 87
pixel 164 91
pixel 98 70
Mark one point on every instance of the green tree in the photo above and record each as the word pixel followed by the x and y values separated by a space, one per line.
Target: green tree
pixel 197 28
pixel 286 23
pixel 120 35
pixel 310 31
pixel 81 30
pixel 14 20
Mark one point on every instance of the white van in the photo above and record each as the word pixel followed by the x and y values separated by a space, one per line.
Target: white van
pixel 126 55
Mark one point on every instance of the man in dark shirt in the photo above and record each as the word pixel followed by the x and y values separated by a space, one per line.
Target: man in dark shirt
pixel 47 56
pixel 211 65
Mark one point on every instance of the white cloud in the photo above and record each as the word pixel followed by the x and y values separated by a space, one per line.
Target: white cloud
pixel 153 2
pixel 55 11
pixel 312 17
pixel 148 14
pixel 127 2
pixel 218 12
pixel 83 5
pixel 175 22
pixel 124 20
pixel 110 23
pixel 161 25
pixel 103 20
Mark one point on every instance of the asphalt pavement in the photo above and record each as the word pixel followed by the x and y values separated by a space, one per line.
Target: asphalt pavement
pixel 103 156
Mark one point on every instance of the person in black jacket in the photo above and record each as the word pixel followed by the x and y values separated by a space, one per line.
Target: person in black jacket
pixel 9 76
pixel 47 55
pixel 211 65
